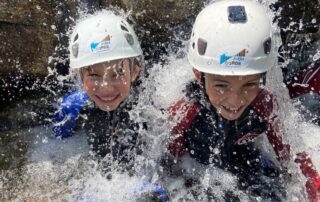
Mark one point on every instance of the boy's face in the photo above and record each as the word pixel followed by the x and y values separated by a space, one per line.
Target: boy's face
pixel 231 95
pixel 108 84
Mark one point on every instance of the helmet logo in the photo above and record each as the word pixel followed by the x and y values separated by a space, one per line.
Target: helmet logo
pixel 103 45
pixel 233 60
pixel 75 50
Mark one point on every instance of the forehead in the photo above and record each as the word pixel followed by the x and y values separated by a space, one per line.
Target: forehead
pixel 233 79
pixel 114 65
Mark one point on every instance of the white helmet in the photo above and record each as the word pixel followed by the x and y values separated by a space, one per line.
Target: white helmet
pixel 100 38
pixel 232 37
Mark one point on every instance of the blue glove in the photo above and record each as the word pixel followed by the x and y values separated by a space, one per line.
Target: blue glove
pixel 150 192
pixel 67 112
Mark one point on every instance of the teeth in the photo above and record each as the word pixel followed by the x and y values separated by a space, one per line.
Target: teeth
pixel 232 109
pixel 108 98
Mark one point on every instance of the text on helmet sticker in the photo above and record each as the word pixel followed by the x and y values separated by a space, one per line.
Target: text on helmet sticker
pixel 100 46
pixel 235 60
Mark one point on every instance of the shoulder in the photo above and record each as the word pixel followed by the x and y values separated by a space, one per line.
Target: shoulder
pixel 182 113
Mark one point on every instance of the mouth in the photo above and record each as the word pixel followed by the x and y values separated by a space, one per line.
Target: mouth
pixel 107 99
pixel 232 110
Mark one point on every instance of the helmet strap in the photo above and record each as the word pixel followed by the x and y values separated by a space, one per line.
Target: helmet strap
pixel 203 89
pixel 132 65
pixel 264 78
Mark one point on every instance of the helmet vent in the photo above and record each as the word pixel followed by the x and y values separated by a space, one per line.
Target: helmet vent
pixel 237 14
pixel 193 44
pixel 129 39
pixel 267 45
pixel 202 46
pixel 124 28
pixel 76 37
pixel 75 50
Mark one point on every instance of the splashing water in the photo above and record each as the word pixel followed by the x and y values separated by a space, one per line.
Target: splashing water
pixel 53 169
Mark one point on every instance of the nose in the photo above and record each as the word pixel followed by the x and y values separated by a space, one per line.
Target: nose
pixel 236 99
pixel 105 87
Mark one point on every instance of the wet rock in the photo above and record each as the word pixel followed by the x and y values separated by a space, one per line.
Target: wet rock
pixel 27 37
pixel 161 21
pixel 12 150
pixel 33 39
pixel 27 113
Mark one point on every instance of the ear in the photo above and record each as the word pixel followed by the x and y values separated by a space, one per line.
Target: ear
pixel 197 74
pixel 135 73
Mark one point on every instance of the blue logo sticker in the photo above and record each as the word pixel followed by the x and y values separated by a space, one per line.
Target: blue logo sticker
pixel 103 45
pixel 235 60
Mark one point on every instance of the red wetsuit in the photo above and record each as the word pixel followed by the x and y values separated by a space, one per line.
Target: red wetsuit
pixel 200 128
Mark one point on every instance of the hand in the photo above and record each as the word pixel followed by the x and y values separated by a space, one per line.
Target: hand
pixel 150 192
pixel 64 119
pixel 313 188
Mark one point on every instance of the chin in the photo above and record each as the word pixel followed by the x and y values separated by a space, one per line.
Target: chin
pixel 108 108
pixel 231 117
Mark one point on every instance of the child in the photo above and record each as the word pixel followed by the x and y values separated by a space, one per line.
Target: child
pixel 227 110
pixel 106 56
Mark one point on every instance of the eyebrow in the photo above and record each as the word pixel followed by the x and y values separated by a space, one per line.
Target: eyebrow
pixel 89 69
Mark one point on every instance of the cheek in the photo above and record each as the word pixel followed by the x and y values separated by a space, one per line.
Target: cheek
pixel 124 87
pixel 88 85
pixel 214 96
pixel 251 95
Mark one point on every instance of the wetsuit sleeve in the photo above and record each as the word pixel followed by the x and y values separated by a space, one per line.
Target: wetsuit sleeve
pixel 182 113
pixel 263 105
pixel 303 160
pixel 64 120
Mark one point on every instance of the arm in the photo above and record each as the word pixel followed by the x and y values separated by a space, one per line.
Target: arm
pixel 263 105
pixel 65 117
pixel 303 160
pixel 183 114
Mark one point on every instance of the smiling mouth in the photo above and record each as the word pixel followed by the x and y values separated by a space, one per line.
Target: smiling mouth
pixel 232 110
pixel 107 99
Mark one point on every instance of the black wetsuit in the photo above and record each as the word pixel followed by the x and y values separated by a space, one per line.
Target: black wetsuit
pixel 113 134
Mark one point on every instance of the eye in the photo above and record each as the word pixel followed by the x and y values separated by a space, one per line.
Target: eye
pixel 91 74
pixel 119 71
pixel 252 84
pixel 220 86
